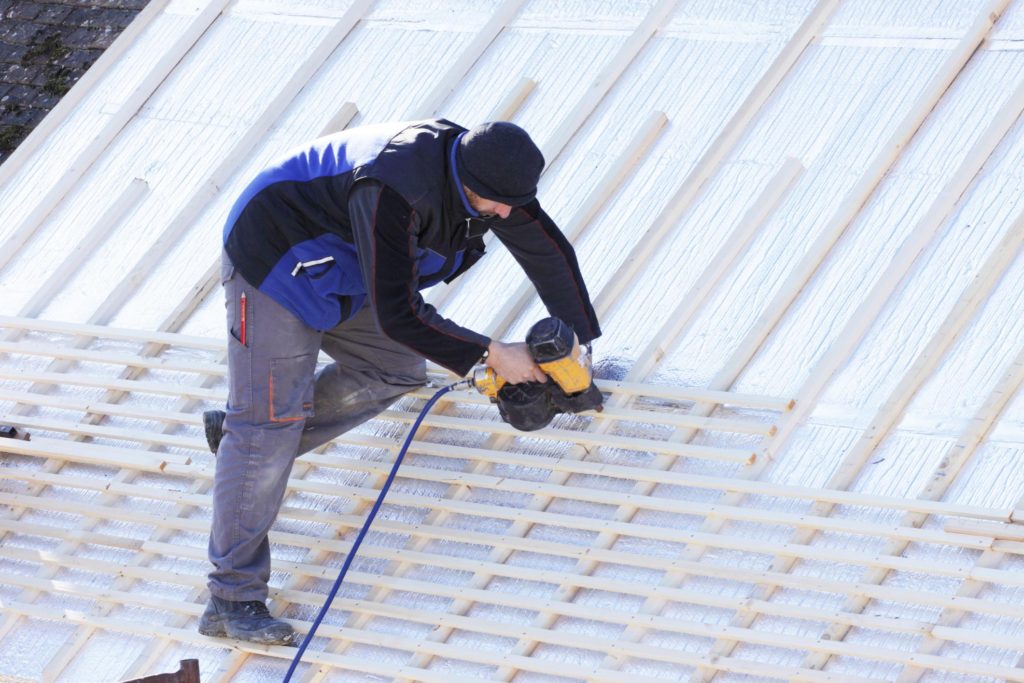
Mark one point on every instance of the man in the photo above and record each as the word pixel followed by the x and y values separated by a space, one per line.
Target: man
pixel 328 249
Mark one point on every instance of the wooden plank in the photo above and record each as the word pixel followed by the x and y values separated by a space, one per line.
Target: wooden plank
pixel 685 479
pixel 128 385
pixel 68 403
pixel 340 120
pixel 878 295
pixel 606 78
pixel 155 438
pixel 567 639
pixel 610 440
pixel 114 358
pixel 668 534
pixel 63 273
pixel 523 573
pixel 82 87
pixel 923 233
pixel 853 201
pixel 228 167
pixel 549 433
pixel 470 397
pixel 532 545
pixel 967 305
pixel 664 340
pixel 113 333
pixel 718 396
pixel 596 200
pixel 717 151
pixel 506 109
pixel 92 454
pixel 568 466
pixel 83 161
pixel 471 52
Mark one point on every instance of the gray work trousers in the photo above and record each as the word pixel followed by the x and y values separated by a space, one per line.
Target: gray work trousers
pixel 278 408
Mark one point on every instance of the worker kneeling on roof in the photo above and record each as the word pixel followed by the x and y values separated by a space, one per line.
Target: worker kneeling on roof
pixel 328 249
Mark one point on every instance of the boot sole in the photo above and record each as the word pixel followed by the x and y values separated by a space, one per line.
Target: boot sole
pixel 217 629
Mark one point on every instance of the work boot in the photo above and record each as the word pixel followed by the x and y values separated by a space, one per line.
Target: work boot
pixel 249 620
pixel 213 425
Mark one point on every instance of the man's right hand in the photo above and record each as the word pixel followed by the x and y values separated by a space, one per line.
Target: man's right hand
pixel 514 362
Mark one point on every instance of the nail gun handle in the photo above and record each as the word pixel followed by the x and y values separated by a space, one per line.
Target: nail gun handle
pixel 487 381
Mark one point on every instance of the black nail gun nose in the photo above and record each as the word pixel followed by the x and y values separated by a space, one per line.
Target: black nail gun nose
pixel 532 405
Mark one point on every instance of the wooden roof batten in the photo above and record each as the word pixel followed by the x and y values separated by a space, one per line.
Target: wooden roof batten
pixel 174 451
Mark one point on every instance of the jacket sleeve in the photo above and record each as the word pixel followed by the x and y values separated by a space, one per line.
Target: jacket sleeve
pixel 383 226
pixel 550 262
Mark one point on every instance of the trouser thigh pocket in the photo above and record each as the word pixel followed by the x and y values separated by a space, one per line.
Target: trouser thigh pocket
pixel 291 385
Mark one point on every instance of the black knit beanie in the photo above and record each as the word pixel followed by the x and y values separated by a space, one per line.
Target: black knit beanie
pixel 499 161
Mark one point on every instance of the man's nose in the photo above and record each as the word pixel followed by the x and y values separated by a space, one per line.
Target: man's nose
pixel 504 210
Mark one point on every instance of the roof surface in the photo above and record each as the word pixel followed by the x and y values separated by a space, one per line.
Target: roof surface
pixel 800 220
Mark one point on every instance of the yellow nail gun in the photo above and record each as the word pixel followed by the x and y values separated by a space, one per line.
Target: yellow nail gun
pixel 532 405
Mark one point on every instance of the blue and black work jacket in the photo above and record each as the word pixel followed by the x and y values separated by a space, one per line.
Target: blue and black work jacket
pixel 378 213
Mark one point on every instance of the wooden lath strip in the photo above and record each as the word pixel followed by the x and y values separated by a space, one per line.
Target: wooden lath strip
pixel 541 517
pixel 164 338
pixel 25 398
pixel 229 165
pixel 430 105
pixel 606 78
pixel 851 204
pixel 920 237
pixel 130 360
pixel 597 199
pixel 112 333
pixel 78 166
pixel 548 433
pixel 562 465
pixel 997 640
pixel 580 642
pixel 82 87
pixel 448 562
pixel 392 642
pixel 948 331
pixel 717 151
pixel 149 362
pixel 513 543
pixel 922 234
pixel 945 474
pixel 568 466
pixel 498 599
pixel 760 209
pixel 541 502
pixel 694 300
pixel 895 594
pixel 63 273
pixel 646 416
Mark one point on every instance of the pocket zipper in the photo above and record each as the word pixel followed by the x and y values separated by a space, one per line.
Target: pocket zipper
pixel 308 264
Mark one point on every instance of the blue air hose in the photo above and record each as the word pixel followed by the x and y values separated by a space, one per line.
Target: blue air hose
pixel 366 525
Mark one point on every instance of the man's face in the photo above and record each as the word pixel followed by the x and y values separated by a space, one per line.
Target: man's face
pixel 485 207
